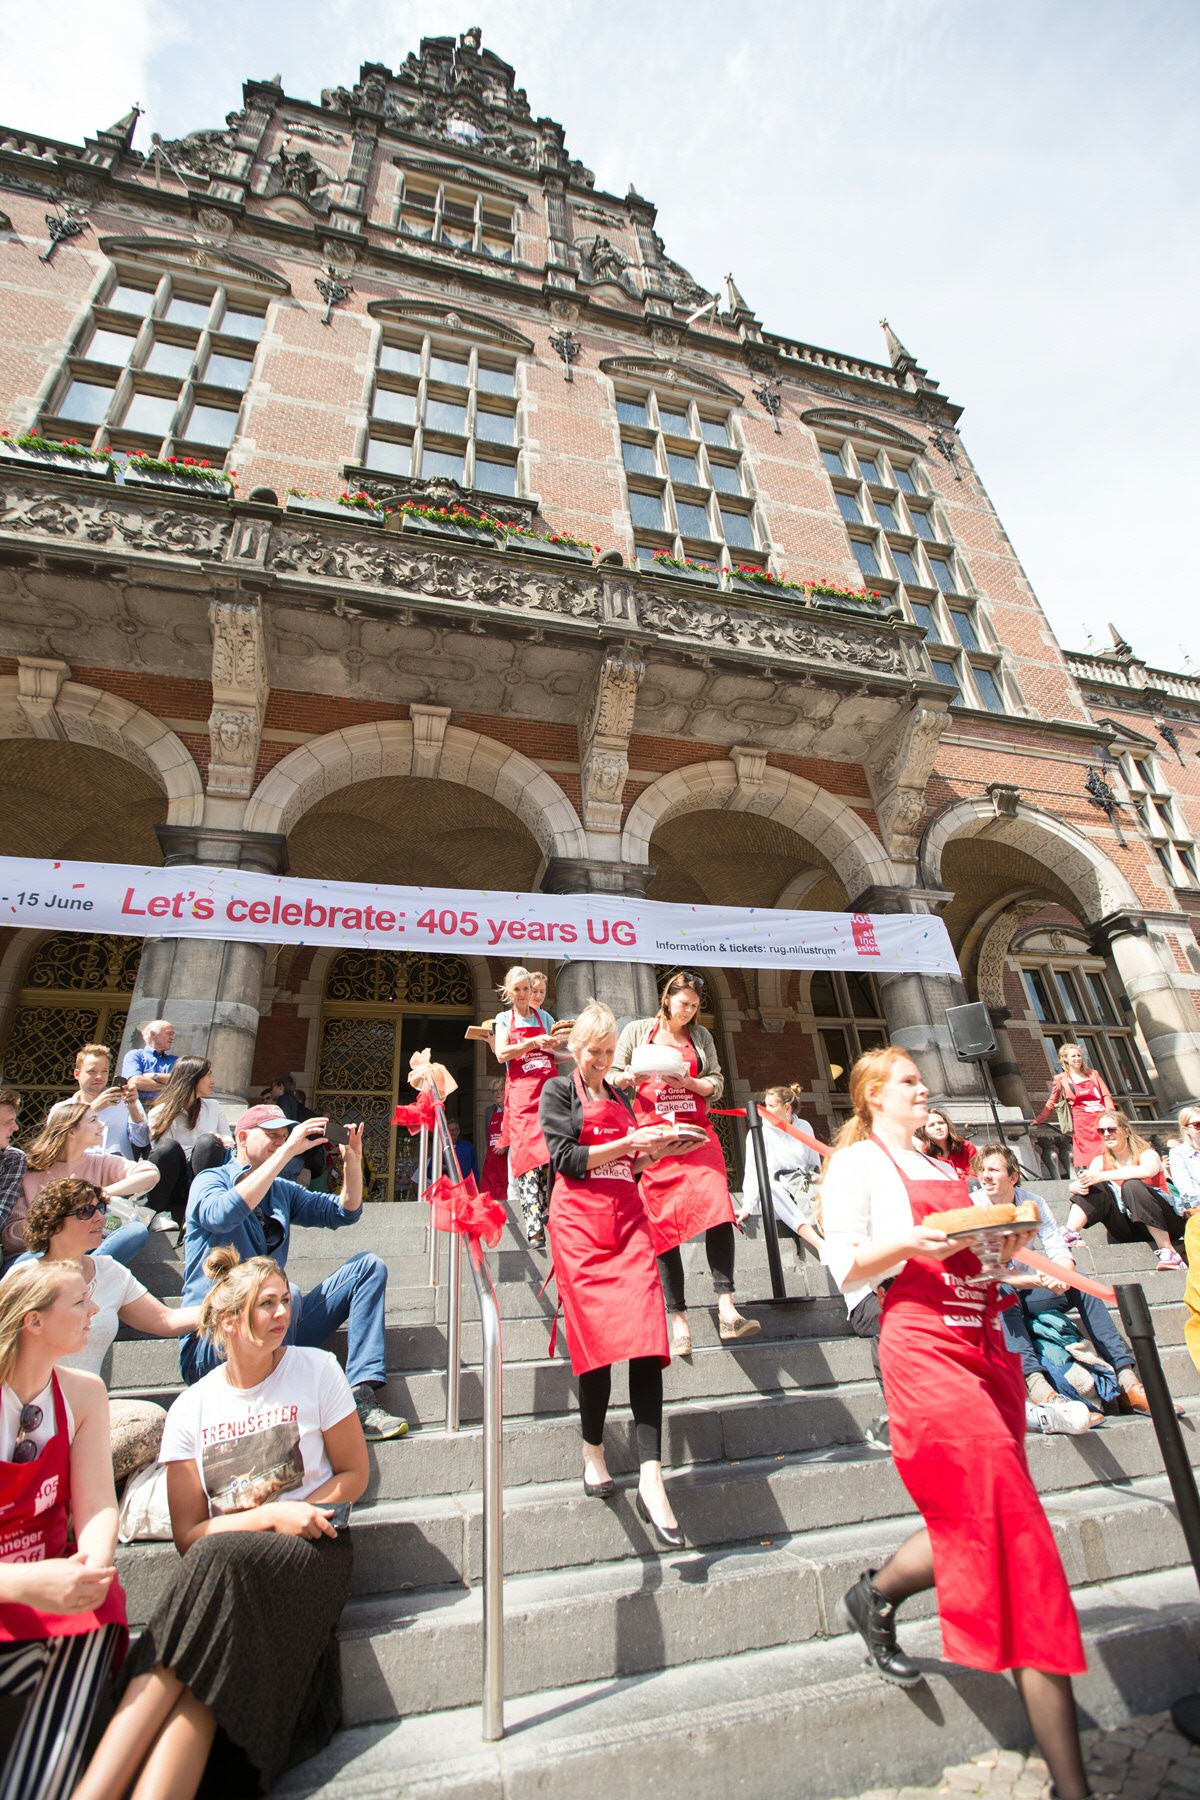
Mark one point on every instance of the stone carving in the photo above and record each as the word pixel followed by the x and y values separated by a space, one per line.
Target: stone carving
pixel 444 317
pixel 239 685
pixel 429 734
pixel 672 278
pixel 993 952
pixel 39 683
pixel 604 741
pixel 118 522
pixel 603 261
pixel 899 770
pixel 298 174
pixel 680 374
pixel 203 153
pixel 218 223
pixel 314 133
pixel 840 418
pixel 720 628
pixel 751 766
pixel 181 253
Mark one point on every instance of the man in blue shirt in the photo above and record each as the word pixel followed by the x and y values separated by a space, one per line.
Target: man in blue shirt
pixel 248 1202
pixel 149 1068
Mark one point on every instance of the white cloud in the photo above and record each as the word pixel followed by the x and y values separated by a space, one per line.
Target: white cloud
pixel 85 70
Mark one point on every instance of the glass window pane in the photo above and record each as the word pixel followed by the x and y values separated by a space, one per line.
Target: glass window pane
pixel 110 347
pixel 212 425
pixel 391 459
pixel 1039 999
pixel 443 415
pixel 906 568
pixel 400 408
pixel 1143 769
pixel 228 371
pixel 863 1004
pixel 497 428
pixel 182 311
pixel 1068 994
pixel 964 629
pixel 946 675
pixel 714 431
pixel 833 461
pixel 131 300
pixel 870 469
pixel 1127 1056
pixel 1102 1000
pixel 639 459
pixel 871 1040
pixel 925 619
pixel 441 462
pixel 725 479
pixel 150 412
pixel 170 359
pixel 646 509
pixel 823 996
pixel 242 324
pixel 677 423
pixel 990 694
pixel 498 249
pixel 922 524
pixel 448 368
pixel 738 530
pixel 886 515
pixel 497 381
pixel 693 520
pixel 682 468
pixel 87 402
pixel 864 556
pixel 632 412
pixel 942 573
pixel 495 478
pixel 904 478
pixel 839 1058
pixel 849 508
pixel 398 359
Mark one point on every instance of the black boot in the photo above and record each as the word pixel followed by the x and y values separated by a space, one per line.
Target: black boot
pixel 874 1618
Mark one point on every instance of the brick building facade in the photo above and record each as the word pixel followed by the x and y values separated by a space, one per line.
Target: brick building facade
pixel 801 666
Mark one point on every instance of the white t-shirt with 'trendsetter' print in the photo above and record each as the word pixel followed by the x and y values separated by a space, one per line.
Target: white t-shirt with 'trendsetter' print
pixel 255 1445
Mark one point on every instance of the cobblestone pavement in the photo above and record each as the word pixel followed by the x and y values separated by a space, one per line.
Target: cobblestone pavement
pixel 1144 1760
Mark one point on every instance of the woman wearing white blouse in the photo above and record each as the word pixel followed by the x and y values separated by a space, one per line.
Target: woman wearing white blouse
pixel 188 1132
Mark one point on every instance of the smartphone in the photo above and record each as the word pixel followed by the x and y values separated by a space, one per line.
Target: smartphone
pixel 339 1514
pixel 335 1134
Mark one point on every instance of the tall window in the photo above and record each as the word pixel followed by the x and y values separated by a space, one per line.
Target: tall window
pixel 444 409
pixel 1153 800
pixel 687 486
pixel 848 1019
pixel 1072 1001
pixel 160 367
pixel 449 214
pixel 900 542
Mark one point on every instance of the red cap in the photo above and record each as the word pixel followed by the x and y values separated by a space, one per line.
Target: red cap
pixel 266 1118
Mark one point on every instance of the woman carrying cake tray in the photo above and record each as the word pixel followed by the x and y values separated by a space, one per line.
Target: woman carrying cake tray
pixel 956 1401
pixel 688 1194
pixel 528 1047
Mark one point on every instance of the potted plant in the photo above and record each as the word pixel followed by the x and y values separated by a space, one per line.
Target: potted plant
pixel 452 523
pixel 556 546
pixel 682 568
pixel 833 595
pixel 192 472
pixel 749 575
pixel 57 453
pixel 298 501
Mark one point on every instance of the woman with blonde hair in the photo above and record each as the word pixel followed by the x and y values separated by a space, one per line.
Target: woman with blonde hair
pixel 604 1258
pixel 956 1401
pixel 527 1048
pixel 686 1195
pixel 1125 1190
pixel 1183 1161
pixel 62 1611
pixel 68 1147
pixel 259 1453
pixel 1078 1097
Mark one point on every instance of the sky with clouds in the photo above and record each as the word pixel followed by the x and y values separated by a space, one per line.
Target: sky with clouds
pixel 1012 182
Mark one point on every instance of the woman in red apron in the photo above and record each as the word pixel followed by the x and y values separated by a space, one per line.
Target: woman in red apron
pixel 604 1260
pixel 62 1611
pixel 493 1178
pixel 525 1047
pixel 956 1401
pixel 685 1195
pixel 1084 1096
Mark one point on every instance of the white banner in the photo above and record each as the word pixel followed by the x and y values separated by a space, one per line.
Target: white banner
pixel 272 909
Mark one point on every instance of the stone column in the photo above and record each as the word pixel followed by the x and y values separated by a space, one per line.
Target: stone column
pixel 629 988
pixel 1164 1010
pixel 209 988
pixel 915 1008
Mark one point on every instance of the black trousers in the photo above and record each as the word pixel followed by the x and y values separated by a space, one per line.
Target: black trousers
pixel 865 1320
pixel 718 1244
pixel 176 1169
pixel 1144 1206
pixel 645 1400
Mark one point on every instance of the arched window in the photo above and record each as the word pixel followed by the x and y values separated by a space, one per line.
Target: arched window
pixel 1072 997
pixel 847 1019
pixel 76 991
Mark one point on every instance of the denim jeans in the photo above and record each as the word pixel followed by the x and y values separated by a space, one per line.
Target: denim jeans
pixel 354 1295
pixel 1096 1319
pixel 126 1242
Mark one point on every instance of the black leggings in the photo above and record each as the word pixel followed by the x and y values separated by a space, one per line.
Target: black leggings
pixel 645 1400
pixel 176 1170
pixel 1144 1206
pixel 718 1243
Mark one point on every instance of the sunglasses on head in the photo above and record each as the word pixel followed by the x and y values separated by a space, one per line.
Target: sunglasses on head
pixel 686 978
pixel 24 1450
pixel 89 1209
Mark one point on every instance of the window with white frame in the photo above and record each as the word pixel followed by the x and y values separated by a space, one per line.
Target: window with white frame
pixel 1073 1001
pixel 161 366
pixel 686 481
pixel 454 216
pixel 847 1020
pixel 1159 815
pixel 902 544
pixel 444 408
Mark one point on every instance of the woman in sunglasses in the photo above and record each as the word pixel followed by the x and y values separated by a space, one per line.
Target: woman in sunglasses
pixel 62 1611
pixel 1183 1161
pixel 66 1224
pixel 68 1145
pixel 688 1193
pixel 1125 1190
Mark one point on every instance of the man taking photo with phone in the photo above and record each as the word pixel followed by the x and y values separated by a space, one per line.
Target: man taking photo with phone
pixel 249 1203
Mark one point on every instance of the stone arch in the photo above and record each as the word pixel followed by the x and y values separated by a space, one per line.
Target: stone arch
pixel 826 823
pixel 1068 855
pixel 89 716
pixel 386 747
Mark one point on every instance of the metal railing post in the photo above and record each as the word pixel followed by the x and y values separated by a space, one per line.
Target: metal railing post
pixel 422 1185
pixel 754 1131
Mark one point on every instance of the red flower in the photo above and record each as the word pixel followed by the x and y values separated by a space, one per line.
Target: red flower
pixel 172 459
pixel 5 433
pixel 205 464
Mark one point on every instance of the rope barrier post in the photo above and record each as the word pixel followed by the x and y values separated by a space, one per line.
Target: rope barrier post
pixel 422 1185
pixel 449 1159
pixel 1139 1326
pixel 754 1131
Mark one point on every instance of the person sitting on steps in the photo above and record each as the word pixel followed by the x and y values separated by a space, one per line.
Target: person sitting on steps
pixel 1125 1190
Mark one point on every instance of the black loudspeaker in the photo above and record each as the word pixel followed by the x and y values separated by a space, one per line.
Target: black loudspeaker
pixel 971 1031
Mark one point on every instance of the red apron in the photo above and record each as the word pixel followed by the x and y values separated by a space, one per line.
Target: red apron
pixel 524 1079
pixel 683 1195
pixel 494 1177
pixel 1087 1103
pixel 35 1509
pixel 956 1402
pixel 608 1284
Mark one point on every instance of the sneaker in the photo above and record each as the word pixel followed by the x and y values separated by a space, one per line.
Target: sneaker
pixel 537 1240
pixel 1169 1259
pixel 1072 1237
pixel 1071 1417
pixel 379 1424
pixel 879 1434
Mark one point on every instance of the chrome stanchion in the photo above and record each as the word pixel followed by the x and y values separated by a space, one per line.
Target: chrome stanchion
pixel 422 1186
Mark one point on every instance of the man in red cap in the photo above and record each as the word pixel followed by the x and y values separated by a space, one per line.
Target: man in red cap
pixel 249 1203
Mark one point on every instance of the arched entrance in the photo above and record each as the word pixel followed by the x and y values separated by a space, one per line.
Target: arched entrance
pixel 379 1007
pixel 75 990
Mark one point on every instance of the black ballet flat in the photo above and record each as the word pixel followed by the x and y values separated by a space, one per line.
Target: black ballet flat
pixel 603 1490
pixel 670 1535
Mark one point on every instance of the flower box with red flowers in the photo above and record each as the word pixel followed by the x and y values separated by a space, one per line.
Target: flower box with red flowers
pixel 749 575
pixel 682 568
pixel 453 523
pixel 191 472
pixel 556 547
pixel 830 595
pixel 57 453
pixel 316 506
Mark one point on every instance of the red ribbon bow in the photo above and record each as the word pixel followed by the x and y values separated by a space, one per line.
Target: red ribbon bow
pixel 418 1117
pixel 459 1206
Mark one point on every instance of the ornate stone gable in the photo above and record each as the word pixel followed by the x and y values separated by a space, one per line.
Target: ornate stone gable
pixel 204 154
pixel 433 315
pixel 667 369
pixel 861 424
pixel 216 261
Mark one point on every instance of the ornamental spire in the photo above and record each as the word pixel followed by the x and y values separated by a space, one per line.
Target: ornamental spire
pixel 899 357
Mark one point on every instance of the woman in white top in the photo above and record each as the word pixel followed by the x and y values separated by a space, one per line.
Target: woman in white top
pixel 241 1649
pixel 66 1224
pixel 188 1133
pixel 793 1169
pixel 1183 1161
